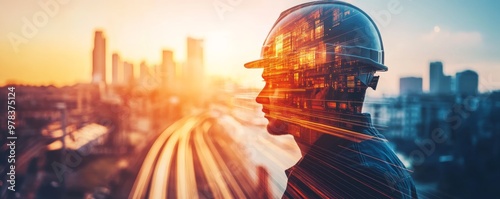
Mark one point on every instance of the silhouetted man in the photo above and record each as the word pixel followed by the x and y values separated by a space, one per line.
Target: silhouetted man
pixel 318 60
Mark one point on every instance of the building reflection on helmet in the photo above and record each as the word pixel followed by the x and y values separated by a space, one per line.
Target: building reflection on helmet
pixel 318 59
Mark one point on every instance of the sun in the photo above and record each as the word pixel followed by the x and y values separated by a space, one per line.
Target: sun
pixel 437 29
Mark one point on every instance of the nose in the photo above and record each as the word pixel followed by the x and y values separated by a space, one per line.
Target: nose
pixel 263 97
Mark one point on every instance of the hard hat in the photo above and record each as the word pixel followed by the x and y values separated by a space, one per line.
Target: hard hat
pixel 324 34
pixel 321 57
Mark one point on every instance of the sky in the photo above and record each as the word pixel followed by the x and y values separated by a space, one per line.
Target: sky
pixel 57 48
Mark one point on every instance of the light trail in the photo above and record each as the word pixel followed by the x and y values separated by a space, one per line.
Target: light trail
pixel 218 186
pixel 169 167
pixel 226 172
pixel 185 170
pixel 142 180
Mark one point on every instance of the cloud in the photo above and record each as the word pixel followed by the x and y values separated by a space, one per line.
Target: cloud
pixel 448 38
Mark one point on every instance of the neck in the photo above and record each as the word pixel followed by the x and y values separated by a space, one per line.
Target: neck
pixel 304 147
pixel 307 137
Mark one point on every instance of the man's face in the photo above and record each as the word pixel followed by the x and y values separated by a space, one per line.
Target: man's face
pixel 268 98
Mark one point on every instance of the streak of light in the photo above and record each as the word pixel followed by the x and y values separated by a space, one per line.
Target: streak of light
pixel 185 170
pixel 219 187
pixel 300 112
pixel 233 182
pixel 375 158
pixel 139 187
pixel 335 131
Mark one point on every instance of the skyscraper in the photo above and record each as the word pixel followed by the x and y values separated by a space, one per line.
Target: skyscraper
pixel 195 63
pixel 439 83
pixel 128 73
pixel 445 85
pixel 410 85
pixel 144 71
pixel 167 70
pixel 99 58
pixel 467 83
pixel 116 63
pixel 435 77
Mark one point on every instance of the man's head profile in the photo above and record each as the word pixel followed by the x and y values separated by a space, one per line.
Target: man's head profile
pixel 318 59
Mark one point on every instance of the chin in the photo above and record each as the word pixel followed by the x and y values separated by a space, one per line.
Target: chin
pixel 277 127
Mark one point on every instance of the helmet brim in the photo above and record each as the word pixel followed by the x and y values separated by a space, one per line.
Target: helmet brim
pixel 266 62
pixel 261 63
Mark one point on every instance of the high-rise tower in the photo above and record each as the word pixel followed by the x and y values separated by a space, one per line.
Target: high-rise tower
pixel 167 69
pixel 436 77
pixel 116 64
pixel 99 58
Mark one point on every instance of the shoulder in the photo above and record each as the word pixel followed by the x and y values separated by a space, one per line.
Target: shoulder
pixel 353 170
pixel 378 169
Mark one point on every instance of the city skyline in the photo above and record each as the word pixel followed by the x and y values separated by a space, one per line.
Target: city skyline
pixel 414 34
pixel 463 83
pixel 168 74
pixel 209 99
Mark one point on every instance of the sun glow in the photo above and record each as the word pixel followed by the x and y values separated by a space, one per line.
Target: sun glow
pixel 218 52
pixel 217 44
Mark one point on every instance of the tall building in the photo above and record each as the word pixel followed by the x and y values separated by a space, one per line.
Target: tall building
pixel 167 69
pixel 439 83
pixel 144 71
pixel 467 83
pixel 195 62
pixel 116 63
pixel 128 73
pixel 435 77
pixel 99 58
pixel 155 69
pixel 410 85
pixel 445 86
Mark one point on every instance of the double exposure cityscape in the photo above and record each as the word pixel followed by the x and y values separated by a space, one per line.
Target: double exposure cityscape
pixel 249 99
